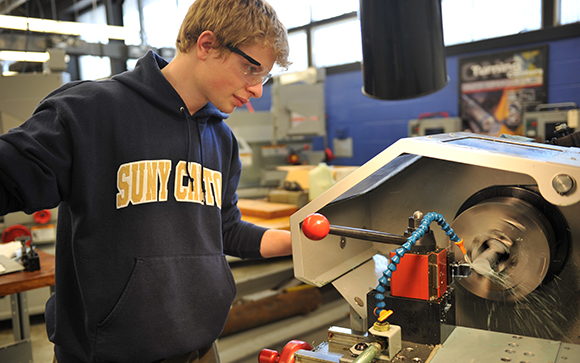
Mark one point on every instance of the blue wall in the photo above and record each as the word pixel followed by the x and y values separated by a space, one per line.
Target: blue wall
pixel 376 124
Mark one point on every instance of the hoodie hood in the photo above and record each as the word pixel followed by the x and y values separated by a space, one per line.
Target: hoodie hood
pixel 147 80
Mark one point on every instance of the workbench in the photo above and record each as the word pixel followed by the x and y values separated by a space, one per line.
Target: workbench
pixel 16 284
pixel 266 214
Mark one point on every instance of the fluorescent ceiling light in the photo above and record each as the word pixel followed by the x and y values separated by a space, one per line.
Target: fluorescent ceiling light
pixel 60 27
pixel 24 56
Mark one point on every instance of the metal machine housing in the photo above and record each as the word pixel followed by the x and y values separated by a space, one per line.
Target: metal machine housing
pixel 440 173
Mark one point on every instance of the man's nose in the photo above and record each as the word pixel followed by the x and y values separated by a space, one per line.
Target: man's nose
pixel 256 90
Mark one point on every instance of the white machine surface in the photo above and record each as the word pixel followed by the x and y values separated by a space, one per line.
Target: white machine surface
pixel 480 346
pixel 515 204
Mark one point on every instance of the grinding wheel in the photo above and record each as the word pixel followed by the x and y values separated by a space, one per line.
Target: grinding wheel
pixel 509 242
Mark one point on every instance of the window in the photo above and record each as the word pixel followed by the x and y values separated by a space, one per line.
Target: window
pixel 467 21
pixel 292 14
pixel 569 11
pixel 298 53
pixel 131 22
pixel 463 22
pixel 300 18
pixel 93 67
pixel 327 25
pixel 326 9
pixel 96 15
pixel 161 22
pixel 337 43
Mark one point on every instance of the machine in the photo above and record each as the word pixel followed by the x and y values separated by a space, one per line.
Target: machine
pixel 284 135
pixel 433 123
pixel 542 123
pixel 470 243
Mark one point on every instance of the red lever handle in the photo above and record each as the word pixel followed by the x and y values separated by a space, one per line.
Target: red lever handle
pixel 315 226
pixel 287 355
pixel 268 356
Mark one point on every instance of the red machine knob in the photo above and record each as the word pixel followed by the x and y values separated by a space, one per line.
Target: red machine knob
pixel 268 356
pixel 315 226
pixel 287 355
pixel 42 216
pixel 14 231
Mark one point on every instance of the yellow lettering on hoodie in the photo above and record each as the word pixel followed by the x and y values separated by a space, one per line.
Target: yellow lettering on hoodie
pixel 197 191
pixel 151 185
pixel 213 187
pixel 180 190
pixel 163 172
pixel 123 185
pixel 185 191
pixel 189 192
pixel 217 188
pixel 147 181
pixel 137 183
pixel 156 181
pixel 208 180
pixel 142 182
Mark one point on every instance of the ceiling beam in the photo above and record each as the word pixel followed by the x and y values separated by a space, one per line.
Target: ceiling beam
pixel 77 46
pixel 73 46
pixel 6 6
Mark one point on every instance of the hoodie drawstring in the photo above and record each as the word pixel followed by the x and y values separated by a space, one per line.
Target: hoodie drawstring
pixel 190 178
pixel 201 162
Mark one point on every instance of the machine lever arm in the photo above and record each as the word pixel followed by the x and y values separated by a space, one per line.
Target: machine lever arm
pixel 317 227
pixel 367 235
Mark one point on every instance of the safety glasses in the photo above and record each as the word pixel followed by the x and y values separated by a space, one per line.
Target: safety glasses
pixel 253 73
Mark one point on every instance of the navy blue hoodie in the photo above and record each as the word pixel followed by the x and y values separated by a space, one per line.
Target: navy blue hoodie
pixel 141 273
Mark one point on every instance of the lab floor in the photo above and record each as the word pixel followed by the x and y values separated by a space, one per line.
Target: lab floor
pixel 42 348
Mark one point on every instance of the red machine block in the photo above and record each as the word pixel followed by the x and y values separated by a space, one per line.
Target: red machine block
pixel 420 276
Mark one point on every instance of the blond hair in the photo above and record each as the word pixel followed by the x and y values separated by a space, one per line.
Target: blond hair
pixel 235 22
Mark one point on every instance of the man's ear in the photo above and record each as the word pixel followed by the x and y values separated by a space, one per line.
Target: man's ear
pixel 204 44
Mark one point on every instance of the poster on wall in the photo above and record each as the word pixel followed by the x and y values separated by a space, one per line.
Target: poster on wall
pixel 495 89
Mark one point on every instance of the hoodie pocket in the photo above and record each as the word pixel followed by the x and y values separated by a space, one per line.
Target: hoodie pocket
pixel 171 305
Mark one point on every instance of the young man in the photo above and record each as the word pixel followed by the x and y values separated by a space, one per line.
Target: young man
pixel 145 172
